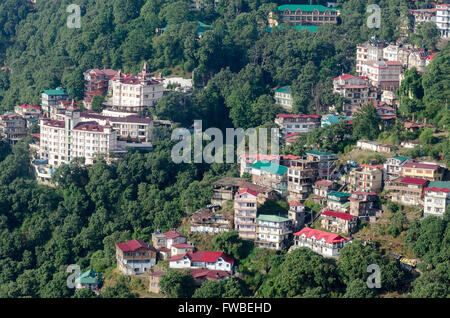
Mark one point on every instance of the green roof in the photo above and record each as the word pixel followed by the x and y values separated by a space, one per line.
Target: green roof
pixel 270 167
pixel 284 89
pixel 272 218
pixel 346 204
pixel 89 277
pixel 55 92
pixel 401 158
pixel 339 194
pixel 439 184
pixel 304 7
pixel 320 153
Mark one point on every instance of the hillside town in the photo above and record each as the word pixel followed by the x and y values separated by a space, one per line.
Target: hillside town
pixel 308 196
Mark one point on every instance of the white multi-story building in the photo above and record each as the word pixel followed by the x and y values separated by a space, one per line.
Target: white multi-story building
pixel 443 19
pixel 290 123
pixel 324 243
pixel 437 198
pixel 369 51
pixel 356 89
pixel 245 212
pixel 136 93
pixel 63 140
pixel 52 97
pixel 383 74
pixel 393 167
pixel 284 98
pixel 272 231
pixel 203 259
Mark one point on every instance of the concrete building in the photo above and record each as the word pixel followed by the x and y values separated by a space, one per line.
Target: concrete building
pixel 364 205
pixel 135 257
pixel 97 82
pixel 246 160
pixel 63 140
pixel 326 163
pixel 290 123
pixel 324 243
pixel 437 198
pixel 323 187
pixel 366 177
pixel 422 15
pixel 284 97
pixel 296 214
pixel 301 14
pixel 167 239
pixel 393 166
pixel 374 146
pixel 301 176
pixel 52 97
pixel 245 213
pixel 272 231
pixel 338 222
pixel 271 175
pixel 13 127
pixel 154 279
pixel 372 50
pixel 338 201
pixel 203 259
pixel 407 190
pixel 356 89
pixel 206 221
pixel 135 93
pixel 89 279
pixel 443 19
pixel 432 172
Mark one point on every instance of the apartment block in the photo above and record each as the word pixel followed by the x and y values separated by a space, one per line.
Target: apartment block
pixel 324 243
pixel 301 176
pixel 437 198
pixel 272 231
pixel 443 19
pixel 290 123
pixel 432 172
pixel 52 97
pixel 245 213
pixel 13 127
pixel 338 222
pixel 366 178
pixel 407 190
pixel 364 205
pixel 393 166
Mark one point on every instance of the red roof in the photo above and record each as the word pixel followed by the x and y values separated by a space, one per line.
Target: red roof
pixel 89 126
pixel 434 189
pixel 410 180
pixel 420 165
pixel 172 234
pixel 291 157
pixel 292 135
pixel 163 250
pixel 203 257
pixel 295 203
pixel 288 116
pixel 157 274
pixel 339 215
pixel 32 106
pixel 247 190
pixel 207 273
pixel 134 245
pixel 328 237
pixel 183 245
pixel 344 77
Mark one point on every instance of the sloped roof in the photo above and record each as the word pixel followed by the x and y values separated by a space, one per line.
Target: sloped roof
pixel 304 7
pixel 339 215
pixel 247 190
pixel 272 218
pixel 172 234
pixel 417 181
pixel 134 245
pixel 328 237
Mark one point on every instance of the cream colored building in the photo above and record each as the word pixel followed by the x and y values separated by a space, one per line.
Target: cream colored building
pixel 136 93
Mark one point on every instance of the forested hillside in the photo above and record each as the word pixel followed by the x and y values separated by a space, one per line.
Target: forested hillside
pixel 238 62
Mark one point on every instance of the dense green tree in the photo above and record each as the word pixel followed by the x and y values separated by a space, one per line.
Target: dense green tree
pixel 176 284
pixel 367 123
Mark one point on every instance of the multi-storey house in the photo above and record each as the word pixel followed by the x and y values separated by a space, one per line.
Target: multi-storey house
pixel 323 187
pixel 366 177
pixel 97 82
pixel 443 19
pixel 284 97
pixel 393 166
pixel 272 231
pixel 301 175
pixel 296 214
pixel 356 89
pixel 136 93
pixel 203 259
pixel 268 174
pixel 338 222
pixel 290 123
pixel 407 190
pixel 324 243
pixel 135 257
pixel 432 172
pixel 51 97
pixel 167 239
pixel 301 14
pixel 13 127
pixel 326 163
pixel 206 221
pixel 364 205
pixel 437 198
pixel 338 201
pixel 245 213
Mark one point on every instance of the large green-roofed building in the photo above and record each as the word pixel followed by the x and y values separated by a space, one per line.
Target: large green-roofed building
pixel 307 15
pixel 272 218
